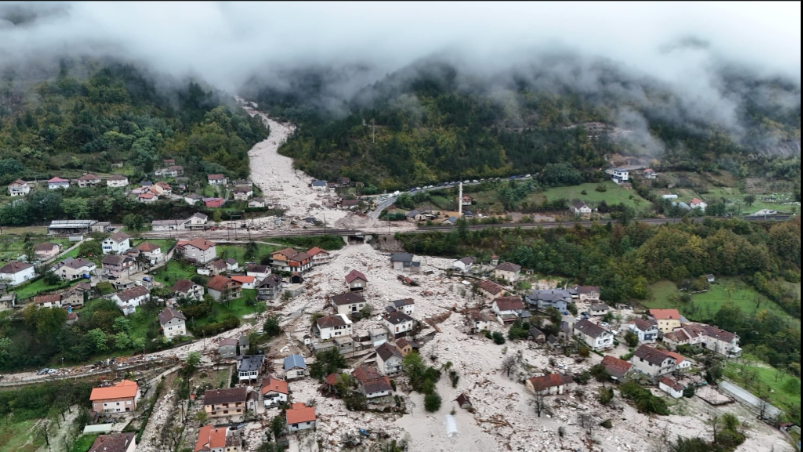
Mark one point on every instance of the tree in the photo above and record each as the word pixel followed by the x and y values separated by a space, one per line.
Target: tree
pixel 604 395
pixel 251 250
pixel 587 422
pixel 749 199
pixel 277 426
pixel 432 402
pixel 631 338
pixel 133 221
pixel 90 248
pixel 600 373
pixel 498 338
pixel 539 402
pixel 271 326
pixel 508 364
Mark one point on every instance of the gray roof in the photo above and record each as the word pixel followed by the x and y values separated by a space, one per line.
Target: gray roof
pixel 319 183
pixel 589 329
pixel 294 361
pixel 251 362
pixel 550 295
pixel 387 351
pixel 401 257
pixel 347 298
pixel 412 213
pixel 403 302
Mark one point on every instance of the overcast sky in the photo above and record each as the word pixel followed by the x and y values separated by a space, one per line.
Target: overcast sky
pixel 226 42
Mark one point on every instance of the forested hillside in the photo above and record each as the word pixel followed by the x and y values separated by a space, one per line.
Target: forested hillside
pixel 435 122
pixel 69 124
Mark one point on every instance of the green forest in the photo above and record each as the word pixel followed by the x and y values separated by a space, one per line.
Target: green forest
pixel 431 122
pixel 68 125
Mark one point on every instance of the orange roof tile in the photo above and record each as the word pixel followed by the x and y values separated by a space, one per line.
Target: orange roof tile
pixel 272 384
pixel 665 314
pixel 122 390
pixel 243 279
pixel 300 413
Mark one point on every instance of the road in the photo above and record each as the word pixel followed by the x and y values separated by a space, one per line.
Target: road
pixel 374 214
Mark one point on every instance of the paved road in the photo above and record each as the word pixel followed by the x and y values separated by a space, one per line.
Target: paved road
pixel 374 215
pixel 746 397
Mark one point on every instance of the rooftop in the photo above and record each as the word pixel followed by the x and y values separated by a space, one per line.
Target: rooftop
pixel 231 395
pixel 300 413
pixel 122 390
pixel 651 355
pixel 294 361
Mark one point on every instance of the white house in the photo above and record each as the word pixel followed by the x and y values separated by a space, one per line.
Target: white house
pixel 649 173
pixel 477 321
pixel 196 221
pixel 117 243
pixel 580 208
pixel 152 251
pixel 274 392
pixel 598 309
pixel 173 323
pixel 243 193
pixel 620 175
pixel 398 323
pixel 388 359
pixel 167 225
pixel 300 417
pixel 406 305
pixel 595 336
pixel 647 331
pixel 652 362
pixel 184 288
pixel 331 326
pixel 193 198
pixel 507 271
pixel 57 183
pixel 463 264
pixel 117 181
pixel 507 309
pixel 698 203
pixel 256 202
pixel 19 188
pixel 347 303
pixel 294 367
pixel 319 185
pixel 670 387
pixel 129 299
pixel 549 384
pixel 217 179
pixel 371 383
pixel 15 272
pixel 200 250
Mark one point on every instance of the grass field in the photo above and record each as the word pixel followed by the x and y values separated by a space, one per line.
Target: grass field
pixel 237 252
pixel 664 294
pixel 39 286
pixel 172 272
pixel 733 195
pixel 165 244
pixel 613 195
pixel 18 437
pixel 236 308
pixel 782 389
pixel 84 442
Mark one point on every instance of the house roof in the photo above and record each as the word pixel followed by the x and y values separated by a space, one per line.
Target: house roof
pixel 219 264
pixel 286 252
pixel 589 329
pixel 147 196
pixel 294 361
pixel 677 336
pixel 696 201
pixel 214 202
pixel 49 298
pixel 615 366
pixel 509 303
pixel 508 267
pixel 398 317
pixel 88 176
pixel 315 251
pixel 19 182
pixel 231 395
pixel 45 247
pixel 354 274
pixel 586 289
pixel 218 282
pixel 665 314
pixel 467 260
pixel 678 357
pixel 210 438
pixel 300 413
pixel 347 298
pixel 182 285
pixel 243 279
pixel 331 321
pixel 550 381
pixel 535 332
pixel 319 183
pixel 274 385
pixel 387 351
pixel 130 294
pixel 490 287
pixel 478 316
pixel 215 177
pixel 371 380
pixel 15 267
pixel 256 268
pixel 641 324
pixel 551 295
pixel 463 399
pixel 115 442
pixel 114 259
pixel 401 257
pixel 57 180
pixel 712 331
pixel 228 342
pixel 331 379
pixel 118 237
pixel 270 281
pixel 231 261
pixel 651 355
pixel 671 383
pixel 117 177
pixel 74 264
pixel 243 189
pixel 169 314
pixel 122 390
pixel 599 307
pixel 251 362
pixel 148 247
pixel 579 205
pixel 403 302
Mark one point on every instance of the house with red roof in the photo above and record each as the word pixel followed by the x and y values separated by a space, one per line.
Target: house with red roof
pixel 319 256
pixel 616 368
pixel 549 384
pixel 19 188
pixel 300 417
pixel 356 281
pixel 667 319
pixel 698 203
pixel 274 392
pixel 671 387
pixel 245 282
pixel 57 183
pixel 120 398
pixel 199 250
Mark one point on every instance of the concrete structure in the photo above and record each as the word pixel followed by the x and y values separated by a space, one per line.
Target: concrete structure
pixel 477 321
pixel 507 309
pixel 269 288
pixel 199 250
pixel 667 319
pixel 356 281
pixel 217 179
pixel 250 367
pixel 647 331
pixel 120 398
pixel 291 260
pixel 319 256
pixel 616 368
pixel 585 293
pixel 228 402
pixel 46 251
pixel 371 383
pixel 347 303
pixel 173 323
pixel 551 298
pixel 71 226
pixel 118 265
pixel 15 273
pixel 117 181
pixel 598 309
pixel 652 362
pixel 490 290
pixel 129 299
pixel 463 264
pixel 670 387
pixel 227 348
pixel 223 289
pixel 274 392
pixel 398 323
pixel 620 175
pixel 406 306
pixel 75 268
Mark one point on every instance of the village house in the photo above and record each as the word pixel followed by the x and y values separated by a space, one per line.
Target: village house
pixel 537 335
pixel 667 319
pixel 549 298
pixel 318 185
pixel 184 288
pixel 620 175
pixel 152 251
pixel 216 267
pixel 147 198
pixel 115 442
pixel 398 324
pixel 217 179
pixel 46 251
pixel 649 173
pixel 671 387
pixel 646 331
pixel 331 326
pixel 682 364
pixel 19 188
pixel 585 293
pixel 256 203
pixel 675 338
pixel 595 336
pixel 250 367
pixel 87 180
pixel 580 209
pixel 507 271
pixel 616 368
pixel 477 321
pixel 274 392
pixel 199 250
pixel 118 265
pixel 57 183
pixel 218 439
pixel 652 361
pixel 214 203
pixel 490 290
pixel 405 346
pixel 52 300
pixel 549 384
pixel 300 417
pixel 404 262
pixel 193 198
pixel 269 288
pixel 116 243
pixel 294 367
pixel 223 289
pixel 245 282
pixel 243 193
pixel 356 281
pixel 406 306
pixel 16 272
pixel 173 323
pixel 73 269
pixel 598 309
pixel 349 204
pixel 388 359
pixel 228 402
pixel 227 348
pixel 466 200
pixel 232 266
pixel 259 272
pixel 463 264
pixel 129 299
pixel 117 181
pixel 319 256
pixel 371 383
pixel 378 336
pixel 710 337
pixel 347 303
pixel 507 309
pixel 120 398
pixel 290 260
pixel 698 203
pixel 168 225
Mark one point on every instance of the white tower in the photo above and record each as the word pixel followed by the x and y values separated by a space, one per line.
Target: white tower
pixel 460 200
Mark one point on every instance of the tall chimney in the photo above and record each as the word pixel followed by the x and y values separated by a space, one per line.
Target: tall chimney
pixel 460 200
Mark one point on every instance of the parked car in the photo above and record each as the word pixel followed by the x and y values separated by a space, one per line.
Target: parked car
pixel 42 371
pixel 604 324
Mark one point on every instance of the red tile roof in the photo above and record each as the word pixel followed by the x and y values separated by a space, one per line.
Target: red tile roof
pixel 218 282
pixel 665 314
pixel 300 413
pixel 354 274
pixel 509 303
pixel 550 381
pixel 615 366
pixel 671 383
pixel 122 390
pixel 490 287
pixel 272 384
pixel 201 244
